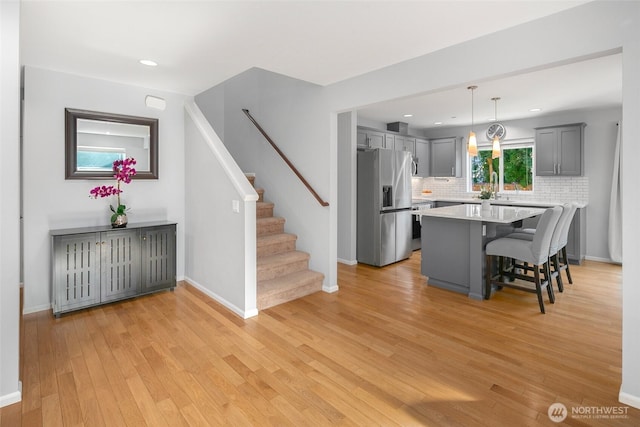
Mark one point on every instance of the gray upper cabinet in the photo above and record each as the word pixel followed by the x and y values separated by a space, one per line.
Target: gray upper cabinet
pixel 405 143
pixel 390 141
pixel 371 139
pixel 421 157
pixel 559 150
pixel 444 158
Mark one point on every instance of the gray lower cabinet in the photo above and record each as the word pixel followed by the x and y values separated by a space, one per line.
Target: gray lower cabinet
pixel 576 239
pixel 97 265
pixel 158 267
pixel 119 264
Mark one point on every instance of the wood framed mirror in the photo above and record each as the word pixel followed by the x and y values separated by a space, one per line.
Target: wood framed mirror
pixel 93 140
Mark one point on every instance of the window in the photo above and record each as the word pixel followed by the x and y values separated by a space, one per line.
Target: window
pixel 98 158
pixel 514 168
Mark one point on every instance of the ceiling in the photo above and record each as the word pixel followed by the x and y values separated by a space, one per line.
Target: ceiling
pixel 588 84
pixel 198 44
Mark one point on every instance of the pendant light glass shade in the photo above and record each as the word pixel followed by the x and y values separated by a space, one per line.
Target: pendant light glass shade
pixel 473 144
pixel 495 149
pixel 472 147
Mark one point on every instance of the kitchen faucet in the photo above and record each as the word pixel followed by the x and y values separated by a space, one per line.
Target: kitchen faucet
pixel 493 180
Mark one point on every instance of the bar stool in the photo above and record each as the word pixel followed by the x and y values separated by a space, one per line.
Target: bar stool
pixel 534 252
pixel 558 247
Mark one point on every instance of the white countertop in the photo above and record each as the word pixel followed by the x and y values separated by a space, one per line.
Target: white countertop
pixel 474 212
pixel 469 200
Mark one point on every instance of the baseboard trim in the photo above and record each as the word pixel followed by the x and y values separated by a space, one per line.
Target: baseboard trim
pixel 330 289
pixel 347 261
pixel 11 398
pixel 37 308
pixel 600 259
pixel 629 399
pixel 234 308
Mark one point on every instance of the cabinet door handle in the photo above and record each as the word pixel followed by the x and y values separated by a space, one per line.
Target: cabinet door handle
pixel 453 172
pixel 558 168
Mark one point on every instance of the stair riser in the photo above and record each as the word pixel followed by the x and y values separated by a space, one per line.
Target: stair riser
pixel 264 212
pixel 272 271
pixel 276 248
pixel 269 228
pixel 289 295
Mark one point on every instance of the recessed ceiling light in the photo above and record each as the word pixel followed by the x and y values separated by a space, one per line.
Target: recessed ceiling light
pixel 407 115
pixel 148 62
pixel 535 110
pixel 437 123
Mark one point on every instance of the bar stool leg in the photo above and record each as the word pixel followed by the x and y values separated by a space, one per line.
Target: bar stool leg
pixel 566 262
pixel 547 273
pixel 536 278
pixel 556 267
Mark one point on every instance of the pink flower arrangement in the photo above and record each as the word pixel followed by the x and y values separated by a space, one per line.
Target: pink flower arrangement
pixel 123 171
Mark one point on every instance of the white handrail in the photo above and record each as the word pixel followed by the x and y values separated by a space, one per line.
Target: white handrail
pixel 229 165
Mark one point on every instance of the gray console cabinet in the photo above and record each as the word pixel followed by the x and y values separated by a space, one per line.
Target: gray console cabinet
pixel 98 265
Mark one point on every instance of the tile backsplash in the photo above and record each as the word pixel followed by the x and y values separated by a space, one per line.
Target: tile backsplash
pixel 546 189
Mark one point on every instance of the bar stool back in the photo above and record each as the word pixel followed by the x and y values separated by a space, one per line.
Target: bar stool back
pixel 534 252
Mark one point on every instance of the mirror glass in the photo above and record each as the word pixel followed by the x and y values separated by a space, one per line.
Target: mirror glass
pixel 95 140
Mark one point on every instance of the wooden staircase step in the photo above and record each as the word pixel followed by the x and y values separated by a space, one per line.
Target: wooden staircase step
pixel 264 209
pixel 287 288
pixel 251 177
pixel 275 243
pixel 270 225
pixel 260 192
pixel 272 266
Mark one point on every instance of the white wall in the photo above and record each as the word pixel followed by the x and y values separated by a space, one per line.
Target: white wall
pixel 9 203
pixel 52 202
pixel 292 112
pixel 220 245
pixel 347 185
pixel 630 390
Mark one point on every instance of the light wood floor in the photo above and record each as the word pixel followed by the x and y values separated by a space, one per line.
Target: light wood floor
pixel 384 350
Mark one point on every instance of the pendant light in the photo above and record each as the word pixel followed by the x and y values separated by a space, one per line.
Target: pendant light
pixel 472 147
pixel 495 152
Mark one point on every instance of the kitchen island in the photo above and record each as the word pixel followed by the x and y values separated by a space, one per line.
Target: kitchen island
pixel 454 240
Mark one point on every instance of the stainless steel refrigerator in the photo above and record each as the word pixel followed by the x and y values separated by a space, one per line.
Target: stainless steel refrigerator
pixel 384 206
